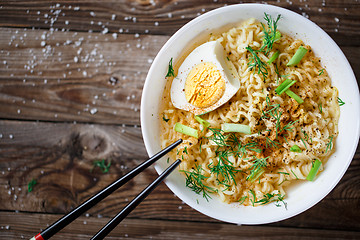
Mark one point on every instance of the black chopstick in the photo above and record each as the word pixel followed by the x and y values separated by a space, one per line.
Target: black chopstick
pixel 133 204
pixel 71 216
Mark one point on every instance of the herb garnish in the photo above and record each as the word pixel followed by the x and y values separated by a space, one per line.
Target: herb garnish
pixel 170 72
pixel 102 165
pixel 165 119
pixel 329 145
pixel 194 180
pixel 270 35
pixel 320 107
pixel 257 168
pixel 321 71
pixel 255 62
pixel 341 102
pixel 31 185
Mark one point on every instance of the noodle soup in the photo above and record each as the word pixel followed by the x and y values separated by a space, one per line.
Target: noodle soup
pixel 290 113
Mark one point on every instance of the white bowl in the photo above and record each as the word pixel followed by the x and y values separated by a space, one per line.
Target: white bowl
pixel 305 194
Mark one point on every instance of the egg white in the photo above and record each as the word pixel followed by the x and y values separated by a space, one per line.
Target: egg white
pixel 208 52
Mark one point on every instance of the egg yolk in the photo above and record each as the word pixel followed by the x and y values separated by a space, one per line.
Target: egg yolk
pixel 204 85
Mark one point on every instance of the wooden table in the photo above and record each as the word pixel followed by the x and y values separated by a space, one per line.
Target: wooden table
pixel 71 77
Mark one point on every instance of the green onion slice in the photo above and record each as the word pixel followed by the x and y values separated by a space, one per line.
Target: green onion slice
pixel 277 36
pixel 300 53
pixel 294 96
pixel 296 148
pixel 236 127
pixel 285 85
pixel 255 174
pixel 186 130
pixel 203 122
pixel 314 170
pixel 273 57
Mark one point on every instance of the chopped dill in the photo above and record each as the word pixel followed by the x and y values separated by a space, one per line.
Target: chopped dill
pixel 224 170
pixel 255 62
pixel 165 119
pixel 321 71
pixel 285 173
pixel 294 174
pixel 31 185
pixel 185 150
pixel 257 168
pixel 270 35
pixel 320 107
pixel 272 143
pixel 170 72
pixel 242 199
pixel 253 194
pixel 194 181
pixel 329 145
pixel 341 102
pixel 102 165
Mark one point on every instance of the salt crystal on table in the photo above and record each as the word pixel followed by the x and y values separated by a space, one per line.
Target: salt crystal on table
pixel 76 59
pixel 11 136
pixel 92 14
pixel 76 8
pixel 113 17
pixel 93 111
pixel 114 35
pixel 156 23
pixel 66 22
pixel 336 19
pixel 106 30
pixel 43 43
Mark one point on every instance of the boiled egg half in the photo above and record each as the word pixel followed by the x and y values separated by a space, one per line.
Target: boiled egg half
pixel 205 81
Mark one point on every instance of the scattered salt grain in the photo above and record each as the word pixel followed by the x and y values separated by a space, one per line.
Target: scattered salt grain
pixel 43 43
pixel 113 17
pixel 106 30
pixel 92 14
pixel 76 8
pixel 76 59
pixel 337 19
pixel 11 136
pixel 93 111
pixel 114 35
pixel 66 22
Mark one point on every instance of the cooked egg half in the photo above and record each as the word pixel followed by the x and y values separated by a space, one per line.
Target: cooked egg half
pixel 205 81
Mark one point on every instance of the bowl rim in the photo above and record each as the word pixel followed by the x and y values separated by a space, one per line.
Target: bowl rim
pixel 147 86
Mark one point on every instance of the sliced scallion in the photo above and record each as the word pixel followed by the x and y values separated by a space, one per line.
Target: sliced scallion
pixel 295 148
pixel 203 122
pixel 273 57
pixel 277 36
pixel 285 85
pixel 314 170
pixel 236 127
pixel 294 96
pixel 299 54
pixel 186 130
pixel 255 174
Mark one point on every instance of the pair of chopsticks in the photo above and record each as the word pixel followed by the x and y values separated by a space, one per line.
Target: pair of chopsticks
pixel 71 216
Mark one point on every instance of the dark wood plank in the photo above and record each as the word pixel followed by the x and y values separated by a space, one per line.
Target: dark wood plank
pixel 24 225
pixel 61 157
pixel 49 83
pixel 338 18
pixel 74 76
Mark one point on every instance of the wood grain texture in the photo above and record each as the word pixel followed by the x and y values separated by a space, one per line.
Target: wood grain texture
pixel 74 77
pixel 164 17
pixel 23 226
pixel 71 78
pixel 61 161
pixel 77 76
